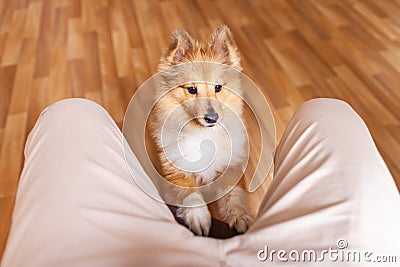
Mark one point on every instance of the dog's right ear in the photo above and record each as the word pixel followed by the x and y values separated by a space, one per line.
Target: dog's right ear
pixel 222 43
pixel 181 43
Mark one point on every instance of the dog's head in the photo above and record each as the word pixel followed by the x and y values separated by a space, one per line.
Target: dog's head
pixel 209 93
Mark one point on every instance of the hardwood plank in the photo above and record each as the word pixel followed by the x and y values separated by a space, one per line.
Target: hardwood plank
pixel 60 26
pixel 13 44
pixel 76 77
pixel 3 39
pixel 149 32
pixel 6 209
pixel 44 47
pixel 75 42
pixel 32 23
pixel 58 87
pixel 335 16
pixel 38 100
pixel 141 69
pixel 379 110
pixel 129 85
pixel 88 14
pixel 92 66
pixel 392 9
pixel 121 45
pixel 1 136
pixel 1 6
pixel 95 96
pixel 285 55
pixel 12 152
pixel 7 75
pixel 387 29
pixel 23 78
pixel 168 10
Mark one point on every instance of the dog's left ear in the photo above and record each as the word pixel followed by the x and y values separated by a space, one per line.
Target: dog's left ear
pixel 222 43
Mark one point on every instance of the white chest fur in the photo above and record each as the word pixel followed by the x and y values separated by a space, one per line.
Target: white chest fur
pixel 206 151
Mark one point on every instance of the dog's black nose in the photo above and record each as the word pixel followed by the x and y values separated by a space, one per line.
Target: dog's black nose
pixel 211 118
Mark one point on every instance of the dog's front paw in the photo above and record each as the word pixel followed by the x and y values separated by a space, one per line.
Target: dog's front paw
pixel 240 219
pixel 198 219
pixel 234 212
pixel 195 214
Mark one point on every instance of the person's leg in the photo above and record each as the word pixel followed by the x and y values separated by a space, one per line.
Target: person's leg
pixel 77 204
pixel 330 183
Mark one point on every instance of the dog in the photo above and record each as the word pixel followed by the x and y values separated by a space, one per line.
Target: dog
pixel 204 111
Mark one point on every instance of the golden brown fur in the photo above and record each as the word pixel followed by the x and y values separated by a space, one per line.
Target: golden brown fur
pixel 183 49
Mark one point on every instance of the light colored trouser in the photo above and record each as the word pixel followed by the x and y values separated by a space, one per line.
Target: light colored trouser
pixel 77 204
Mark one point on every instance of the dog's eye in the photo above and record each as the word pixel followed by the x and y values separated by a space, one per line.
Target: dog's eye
pixel 192 90
pixel 218 88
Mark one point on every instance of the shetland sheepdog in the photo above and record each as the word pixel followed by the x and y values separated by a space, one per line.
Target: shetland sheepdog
pixel 204 113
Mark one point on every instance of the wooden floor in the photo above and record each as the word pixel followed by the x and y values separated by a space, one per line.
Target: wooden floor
pixel 104 49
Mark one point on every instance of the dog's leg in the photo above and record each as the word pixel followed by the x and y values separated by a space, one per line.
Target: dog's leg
pixel 233 210
pixel 197 218
pixel 194 210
